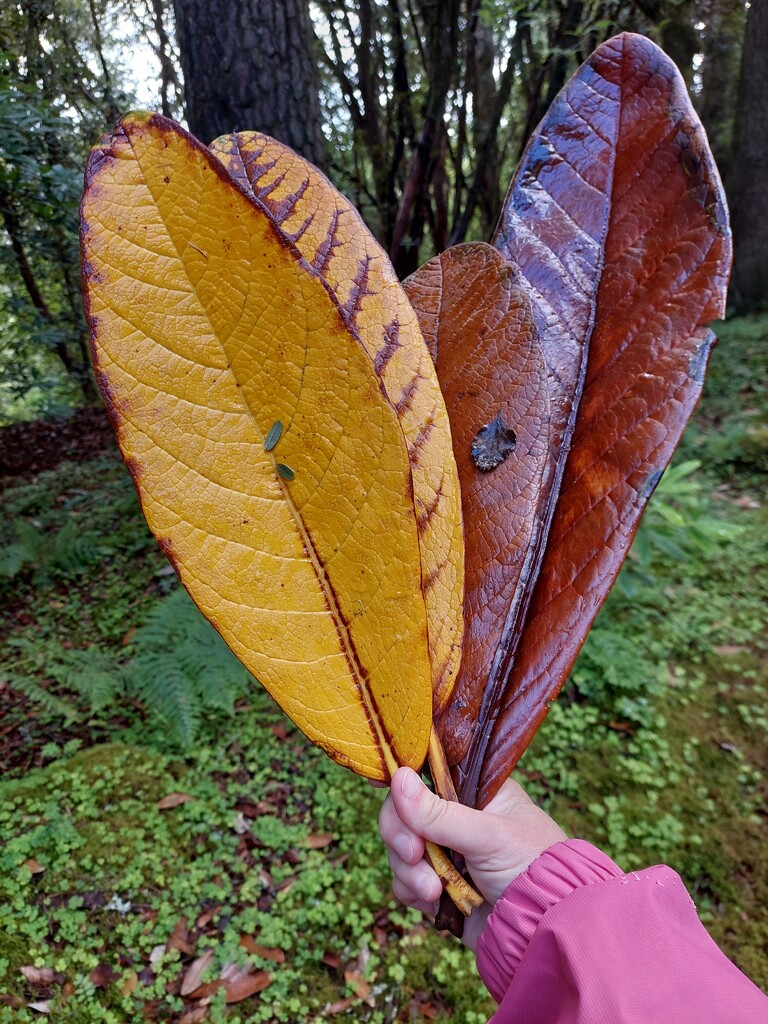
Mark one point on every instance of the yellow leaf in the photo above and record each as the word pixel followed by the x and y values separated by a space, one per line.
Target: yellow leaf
pixel 207 329
pixel 329 233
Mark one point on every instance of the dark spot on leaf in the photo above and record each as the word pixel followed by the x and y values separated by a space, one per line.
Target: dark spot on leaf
pixel 167 180
pixel 492 444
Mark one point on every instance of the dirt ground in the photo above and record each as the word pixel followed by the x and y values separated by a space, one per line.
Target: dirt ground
pixel 28 448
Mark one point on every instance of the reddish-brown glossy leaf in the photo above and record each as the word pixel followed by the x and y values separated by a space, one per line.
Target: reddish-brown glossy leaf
pixel 617 221
pixel 478 327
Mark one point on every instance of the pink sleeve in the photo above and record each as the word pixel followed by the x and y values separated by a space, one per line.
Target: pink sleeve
pixel 574 940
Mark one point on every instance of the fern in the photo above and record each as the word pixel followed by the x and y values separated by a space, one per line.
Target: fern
pixel 48 701
pixel 27 550
pixel 182 667
pixel 65 553
pixel 159 682
pixel 177 667
pixel 87 678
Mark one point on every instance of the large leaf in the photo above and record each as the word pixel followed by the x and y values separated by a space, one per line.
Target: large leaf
pixel 617 222
pixel 330 234
pixel 478 326
pixel 208 327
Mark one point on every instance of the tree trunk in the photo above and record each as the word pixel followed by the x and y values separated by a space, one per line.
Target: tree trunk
pixel 724 35
pixel 748 178
pixel 250 64
pixel 441 19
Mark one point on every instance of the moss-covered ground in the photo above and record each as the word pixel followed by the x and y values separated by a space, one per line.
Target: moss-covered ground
pixel 137 873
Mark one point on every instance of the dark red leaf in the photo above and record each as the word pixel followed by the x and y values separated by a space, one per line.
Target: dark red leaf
pixel 616 219
pixel 478 327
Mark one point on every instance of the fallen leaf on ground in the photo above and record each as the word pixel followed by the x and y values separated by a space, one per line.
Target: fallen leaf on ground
pixel 318 840
pixel 39 975
pixel 42 1007
pixel 340 1006
pixel 265 952
pixel 173 800
pixel 194 972
pixel 102 975
pixel 179 937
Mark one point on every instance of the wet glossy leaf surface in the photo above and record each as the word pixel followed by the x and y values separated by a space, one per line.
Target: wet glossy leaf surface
pixel 616 219
pixel 207 330
pixel 478 326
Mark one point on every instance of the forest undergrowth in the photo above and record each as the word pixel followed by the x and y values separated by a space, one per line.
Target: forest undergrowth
pixel 171 849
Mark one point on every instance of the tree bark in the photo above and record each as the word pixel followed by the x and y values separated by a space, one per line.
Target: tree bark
pixel 250 64
pixel 441 19
pixel 723 38
pixel 748 179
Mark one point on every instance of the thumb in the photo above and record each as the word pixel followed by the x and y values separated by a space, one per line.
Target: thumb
pixel 463 829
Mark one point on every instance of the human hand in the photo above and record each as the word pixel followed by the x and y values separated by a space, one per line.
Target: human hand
pixel 497 843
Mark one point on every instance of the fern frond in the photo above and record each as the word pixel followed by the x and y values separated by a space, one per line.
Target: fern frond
pixel 156 679
pixel 50 703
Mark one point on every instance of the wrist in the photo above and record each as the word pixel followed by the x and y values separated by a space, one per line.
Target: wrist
pixel 550 878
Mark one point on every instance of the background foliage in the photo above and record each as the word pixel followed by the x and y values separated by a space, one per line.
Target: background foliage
pixel 129 852
pixel 155 807
pixel 425 109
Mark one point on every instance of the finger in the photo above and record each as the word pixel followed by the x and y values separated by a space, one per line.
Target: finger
pixel 410 899
pixel 463 829
pixel 397 836
pixel 419 878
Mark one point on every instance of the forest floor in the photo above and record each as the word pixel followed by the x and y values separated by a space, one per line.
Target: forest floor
pixel 193 861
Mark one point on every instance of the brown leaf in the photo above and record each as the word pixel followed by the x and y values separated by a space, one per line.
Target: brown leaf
pixel 340 1006
pixel 332 960
pixel 195 971
pixel 15 1002
pixel 620 230
pixel 478 326
pixel 179 937
pixel 205 918
pixel 130 983
pixel 265 952
pixel 358 984
pixel 38 975
pixel 167 803
pixel 34 867
pixel 318 840
pixel 195 1015
pixel 243 981
pixel 102 975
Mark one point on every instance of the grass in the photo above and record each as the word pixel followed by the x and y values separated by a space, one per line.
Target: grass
pixel 266 856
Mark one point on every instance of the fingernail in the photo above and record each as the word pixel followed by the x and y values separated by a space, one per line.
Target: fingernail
pixel 411 783
pixel 404 848
pixel 425 885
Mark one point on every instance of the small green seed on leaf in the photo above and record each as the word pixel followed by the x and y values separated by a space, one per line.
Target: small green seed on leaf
pixel 284 471
pixel 274 434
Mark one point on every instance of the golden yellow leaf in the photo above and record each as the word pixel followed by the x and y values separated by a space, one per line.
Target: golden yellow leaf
pixel 330 234
pixel 208 328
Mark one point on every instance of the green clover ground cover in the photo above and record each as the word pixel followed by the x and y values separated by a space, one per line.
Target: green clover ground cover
pixel 139 858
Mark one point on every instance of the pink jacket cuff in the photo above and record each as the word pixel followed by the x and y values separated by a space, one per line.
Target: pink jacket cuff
pixel 549 879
